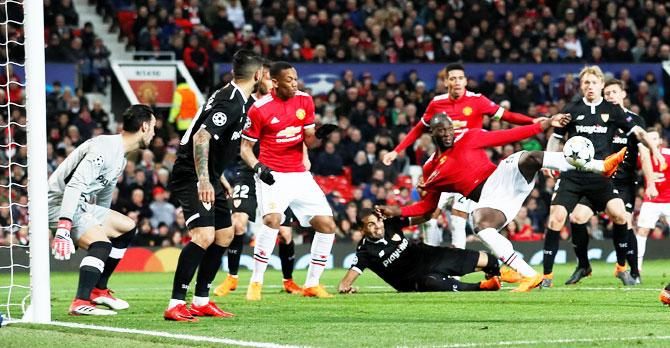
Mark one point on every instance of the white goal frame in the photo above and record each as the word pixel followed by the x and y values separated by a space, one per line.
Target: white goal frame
pixel 39 310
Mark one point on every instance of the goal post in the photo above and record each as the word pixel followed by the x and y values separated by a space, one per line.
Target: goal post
pixel 39 310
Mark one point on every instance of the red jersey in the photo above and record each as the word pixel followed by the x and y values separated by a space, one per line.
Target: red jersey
pixel 466 112
pixel 465 165
pixel 663 183
pixel 280 125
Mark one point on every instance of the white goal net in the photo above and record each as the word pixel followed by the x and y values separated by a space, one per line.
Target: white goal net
pixel 24 234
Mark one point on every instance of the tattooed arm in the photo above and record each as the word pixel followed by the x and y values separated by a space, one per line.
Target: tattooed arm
pixel 201 161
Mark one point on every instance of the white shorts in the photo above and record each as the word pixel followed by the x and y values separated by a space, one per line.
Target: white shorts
pixel 298 191
pixel 506 189
pixel 86 216
pixel 650 213
pixel 460 202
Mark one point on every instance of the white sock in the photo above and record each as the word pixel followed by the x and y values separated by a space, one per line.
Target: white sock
pixel 321 246
pixel 502 248
pixel 200 301
pixel 265 244
pixel 641 248
pixel 234 275
pixel 596 166
pixel 458 231
pixel 173 303
pixel 556 161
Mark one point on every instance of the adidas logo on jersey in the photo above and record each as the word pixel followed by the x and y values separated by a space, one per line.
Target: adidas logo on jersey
pixel 275 120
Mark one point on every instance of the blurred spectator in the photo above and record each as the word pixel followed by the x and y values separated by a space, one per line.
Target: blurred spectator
pixel 162 211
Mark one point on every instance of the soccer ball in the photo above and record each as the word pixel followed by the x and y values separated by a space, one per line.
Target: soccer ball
pixel 578 151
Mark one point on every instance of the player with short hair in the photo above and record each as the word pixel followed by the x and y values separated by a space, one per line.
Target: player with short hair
pixel 282 122
pixel 242 191
pixel 80 194
pixel 414 267
pixel 656 200
pixel 598 120
pixel 624 182
pixel 460 164
pixel 207 147
pixel 466 109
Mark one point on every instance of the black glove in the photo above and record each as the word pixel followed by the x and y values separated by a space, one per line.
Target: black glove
pixel 325 130
pixel 264 173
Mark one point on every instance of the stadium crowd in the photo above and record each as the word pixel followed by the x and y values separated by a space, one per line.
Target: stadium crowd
pixel 372 115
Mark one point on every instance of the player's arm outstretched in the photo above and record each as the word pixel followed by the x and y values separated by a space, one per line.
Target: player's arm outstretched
pixel 346 284
pixel 503 137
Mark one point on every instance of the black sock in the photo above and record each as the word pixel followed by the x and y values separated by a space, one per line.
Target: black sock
pixel 550 249
pixel 580 242
pixel 234 254
pixel 631 255
pixel 667 287
pixel 91 267
pixel 119 246
pixel 188 262
pixel 620 239
pixel 209 265
pixel 492 266
pixel 287 257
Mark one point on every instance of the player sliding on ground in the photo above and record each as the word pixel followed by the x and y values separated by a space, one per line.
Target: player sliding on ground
pixel 282 122
pixel 414 267
pixel 460 164
pixel 467 110
pixel 80 194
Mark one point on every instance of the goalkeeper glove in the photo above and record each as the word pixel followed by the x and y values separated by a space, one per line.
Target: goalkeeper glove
pixel 62 246
pixel 264 173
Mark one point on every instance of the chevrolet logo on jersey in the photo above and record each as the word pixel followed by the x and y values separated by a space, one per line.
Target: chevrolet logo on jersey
pixel 289 133
pixel 591 129
pixel 467 111
pixel 605 117
pixel 300 114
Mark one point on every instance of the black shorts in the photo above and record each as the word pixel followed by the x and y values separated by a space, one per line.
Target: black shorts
pixel 450 261
pixel 626 192
pixel 244 194
pixel 195 213
pixel 598 191
pixel 288 218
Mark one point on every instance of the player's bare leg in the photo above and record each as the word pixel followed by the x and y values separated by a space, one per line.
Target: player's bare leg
pixel 488 222
pixel 287 257
pixel 209 266
pixel 240 221
pixel 95 241
pixel 320 251
pixel 120 229
pixel 265 243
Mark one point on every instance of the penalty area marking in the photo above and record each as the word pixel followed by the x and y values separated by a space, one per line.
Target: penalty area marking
pixel 171 335
pixel 557 341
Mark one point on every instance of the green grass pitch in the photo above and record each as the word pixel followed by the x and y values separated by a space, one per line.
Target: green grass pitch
pixel 597 312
